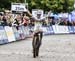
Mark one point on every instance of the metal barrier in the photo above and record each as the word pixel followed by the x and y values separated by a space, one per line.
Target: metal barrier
pixel 10 34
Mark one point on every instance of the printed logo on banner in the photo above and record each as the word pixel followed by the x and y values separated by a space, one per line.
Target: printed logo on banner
pixel 3 36
pixel 74 29
pixel 18 7
pixel 37 13
pixel 27 31
pixel 10 33
pixel 17 36
pixel 31 30
pixel 55 28
pixel 60 29
pixel 21 33
pixel 49 30
pixel 44 30
pixel 63 29
pixel 71 29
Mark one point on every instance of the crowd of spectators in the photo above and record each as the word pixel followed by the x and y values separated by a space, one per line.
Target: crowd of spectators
pixel 9 19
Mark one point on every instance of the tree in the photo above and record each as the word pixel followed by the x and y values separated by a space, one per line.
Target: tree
pixel 54 5
pixel 4 4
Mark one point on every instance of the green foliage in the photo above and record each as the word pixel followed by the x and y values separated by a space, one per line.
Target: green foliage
pixel 54 5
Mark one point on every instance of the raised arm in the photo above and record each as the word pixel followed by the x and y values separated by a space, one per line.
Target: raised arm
pixel 29 13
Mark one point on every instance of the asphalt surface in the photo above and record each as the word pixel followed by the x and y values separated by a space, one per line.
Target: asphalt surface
pixel 53 48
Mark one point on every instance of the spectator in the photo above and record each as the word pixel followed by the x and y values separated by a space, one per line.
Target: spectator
pixel 51 21
pixel 17 21
pixel 31 22
pixel 25 20
pixel 4 21
pixel 1 16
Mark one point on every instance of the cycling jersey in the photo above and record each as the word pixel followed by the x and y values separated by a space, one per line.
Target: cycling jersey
pixel 38 25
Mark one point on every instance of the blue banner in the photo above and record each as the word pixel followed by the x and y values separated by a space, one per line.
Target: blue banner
pixel 74 29
pixel 21 32
pixel 48 30
pixel 3 36
pixel 71 29
pixel 17 36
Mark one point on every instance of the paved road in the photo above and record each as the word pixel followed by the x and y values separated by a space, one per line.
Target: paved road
pixel 54 48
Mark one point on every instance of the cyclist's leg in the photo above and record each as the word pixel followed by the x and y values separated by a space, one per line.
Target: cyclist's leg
pixel 34 43
pixel 37 52
pixel 41 32
pixel 41 35
pixel 37 44
pixel 39 38
pixel 34 52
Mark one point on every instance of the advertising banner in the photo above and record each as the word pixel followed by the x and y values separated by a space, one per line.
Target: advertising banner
pixel 60 29
pixel 71 29
pixel 27 31
pixel 10 33
pixel 21 33
pixel 38 13
pixel 16 34
pixel 3 36
pixel 18 7
pixel 48 30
